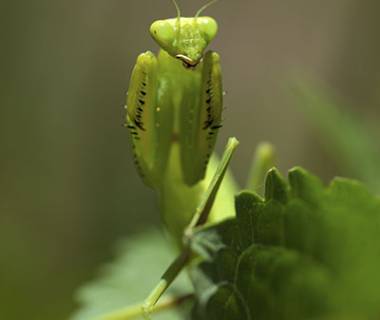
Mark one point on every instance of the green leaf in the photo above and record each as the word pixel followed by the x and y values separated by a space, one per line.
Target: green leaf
pixel 128 280
pixel 223 304
pixel 276 187
pixel 305 252
pixel 248 205
pixel 305 186
pixel 277 283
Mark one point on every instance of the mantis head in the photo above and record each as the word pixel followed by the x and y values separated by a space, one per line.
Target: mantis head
pixel 185 38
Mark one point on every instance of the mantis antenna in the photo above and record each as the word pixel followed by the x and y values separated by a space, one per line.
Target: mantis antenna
pixel 177 8
pixel 178 17
pixel 205 7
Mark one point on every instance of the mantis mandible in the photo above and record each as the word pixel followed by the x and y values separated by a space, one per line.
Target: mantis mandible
pixel 174 112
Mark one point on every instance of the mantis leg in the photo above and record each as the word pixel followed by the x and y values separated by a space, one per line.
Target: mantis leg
pixel 200 122
pixel 199 219
pixel 144 119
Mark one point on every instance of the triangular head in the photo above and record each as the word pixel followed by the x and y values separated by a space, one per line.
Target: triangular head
pixel 185 38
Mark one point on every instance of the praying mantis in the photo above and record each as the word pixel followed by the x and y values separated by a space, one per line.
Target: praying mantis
pixel 174 112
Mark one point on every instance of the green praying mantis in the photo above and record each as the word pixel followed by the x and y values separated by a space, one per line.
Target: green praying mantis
pixel 174 112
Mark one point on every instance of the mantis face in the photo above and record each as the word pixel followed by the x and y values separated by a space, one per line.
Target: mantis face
pixel 185 38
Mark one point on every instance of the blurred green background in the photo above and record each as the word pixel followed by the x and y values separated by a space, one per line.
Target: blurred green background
pixel 68 188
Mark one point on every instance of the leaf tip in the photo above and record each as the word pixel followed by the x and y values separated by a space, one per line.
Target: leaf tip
pixel 275 186
pixel 305 185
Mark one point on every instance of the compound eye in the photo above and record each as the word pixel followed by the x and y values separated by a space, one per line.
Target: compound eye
pixel 208 27
pixel 163 32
